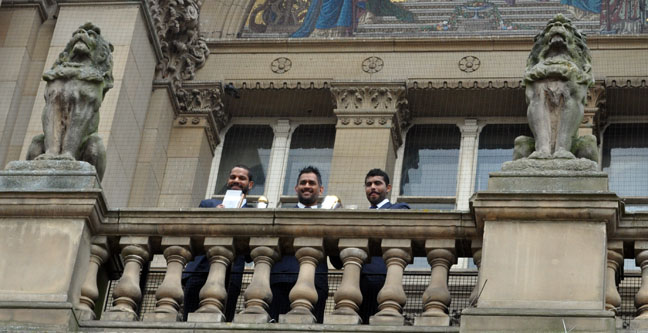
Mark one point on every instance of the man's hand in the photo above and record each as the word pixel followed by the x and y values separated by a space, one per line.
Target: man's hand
pixel 220 206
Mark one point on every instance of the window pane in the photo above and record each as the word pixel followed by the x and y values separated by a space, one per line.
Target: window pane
pixel 310 145
pixel 431 160
pixel 496 147
pixel 249 145
pixel 625 158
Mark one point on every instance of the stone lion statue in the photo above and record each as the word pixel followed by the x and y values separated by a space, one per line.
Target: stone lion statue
pixel 76 86
pixel 557 79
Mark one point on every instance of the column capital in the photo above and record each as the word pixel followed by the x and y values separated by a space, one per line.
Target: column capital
pixel 282 128
pixel 201 105
pixel 352 97
pixel 470 127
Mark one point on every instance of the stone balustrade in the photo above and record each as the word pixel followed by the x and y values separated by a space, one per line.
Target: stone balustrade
pixel 266 235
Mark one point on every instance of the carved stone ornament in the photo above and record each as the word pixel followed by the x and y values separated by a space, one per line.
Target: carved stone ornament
pixel 373 98
pixel 76 86
pixel 372 65
pixel 177 28
pixel 281 65
pixel 203 100
pixel 469 64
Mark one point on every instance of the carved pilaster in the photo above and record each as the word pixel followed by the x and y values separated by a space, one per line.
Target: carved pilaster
pixel 594 116
pixel 372 105
pixel 204 101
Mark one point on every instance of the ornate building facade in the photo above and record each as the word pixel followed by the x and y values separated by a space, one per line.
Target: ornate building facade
pixel 430 91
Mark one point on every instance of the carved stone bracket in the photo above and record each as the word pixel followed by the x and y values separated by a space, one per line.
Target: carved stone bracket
pixel 177 28
pixel 202 105
pixel 372 104
pixel 595 115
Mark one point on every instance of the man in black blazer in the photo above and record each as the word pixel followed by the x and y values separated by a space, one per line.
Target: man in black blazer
pixel 372 278
pixel 195 273
pixel 284 272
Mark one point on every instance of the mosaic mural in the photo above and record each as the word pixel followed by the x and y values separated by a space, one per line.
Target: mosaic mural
pixel 367 18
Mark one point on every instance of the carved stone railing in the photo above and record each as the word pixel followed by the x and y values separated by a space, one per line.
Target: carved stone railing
pixel 47 221
pixel 266 235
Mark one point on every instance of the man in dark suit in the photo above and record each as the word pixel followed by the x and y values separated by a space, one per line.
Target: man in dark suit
pixel 284 272
pixel 372 278
pixel 195 273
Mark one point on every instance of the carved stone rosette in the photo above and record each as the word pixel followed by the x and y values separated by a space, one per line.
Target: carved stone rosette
pixel 177 29
pixel 372 105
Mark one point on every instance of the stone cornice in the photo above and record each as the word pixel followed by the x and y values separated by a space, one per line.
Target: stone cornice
pixel 416 44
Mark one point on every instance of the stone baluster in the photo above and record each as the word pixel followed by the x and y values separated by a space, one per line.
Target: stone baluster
pixel 641 298
pixel 213 295
pixel 169 295
pixel 436 298
pixel 476 247
pixel 391 298
pixel 348 297
pixel 614 263
pixel 89 290
pixel 127 293
pixel 258 295
pixel 303 296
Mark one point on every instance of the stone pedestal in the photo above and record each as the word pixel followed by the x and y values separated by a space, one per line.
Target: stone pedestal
pixel 47 212
pixel 544 252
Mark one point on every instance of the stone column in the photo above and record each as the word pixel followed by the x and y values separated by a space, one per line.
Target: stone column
pixel 303 296
pixel 370 115
pixel 641 298
pixel 467 162
pixel 391 298
pixel 169 295
pixel 213 295
pixel 189 160
pixel 614 265
pixel 476 247
pixel 124 107
pixel 127 294
pixel 89 290
pixel 436 298
pixel 258 295
pixel 348 297
pixel 277 166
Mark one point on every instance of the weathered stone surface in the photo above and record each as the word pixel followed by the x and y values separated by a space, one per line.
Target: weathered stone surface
pixel 76 85
pixel 161 317
pixel 293 318
pixel 527 320
pixel 550 166
pixel 387 320
pixel 432 321
pixel 204 317
pixel 338 319
pixel 548 182
pixel 48 174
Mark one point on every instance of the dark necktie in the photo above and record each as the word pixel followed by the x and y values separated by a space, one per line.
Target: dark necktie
pixel 373 207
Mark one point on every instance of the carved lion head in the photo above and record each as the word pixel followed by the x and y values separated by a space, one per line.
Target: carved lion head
pixel 87 56
pixel 560 51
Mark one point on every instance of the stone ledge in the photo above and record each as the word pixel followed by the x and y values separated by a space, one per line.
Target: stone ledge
pixel 111 326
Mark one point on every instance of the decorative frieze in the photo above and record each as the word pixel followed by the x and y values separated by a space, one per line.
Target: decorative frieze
pixel 469 64
pixel 372 65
